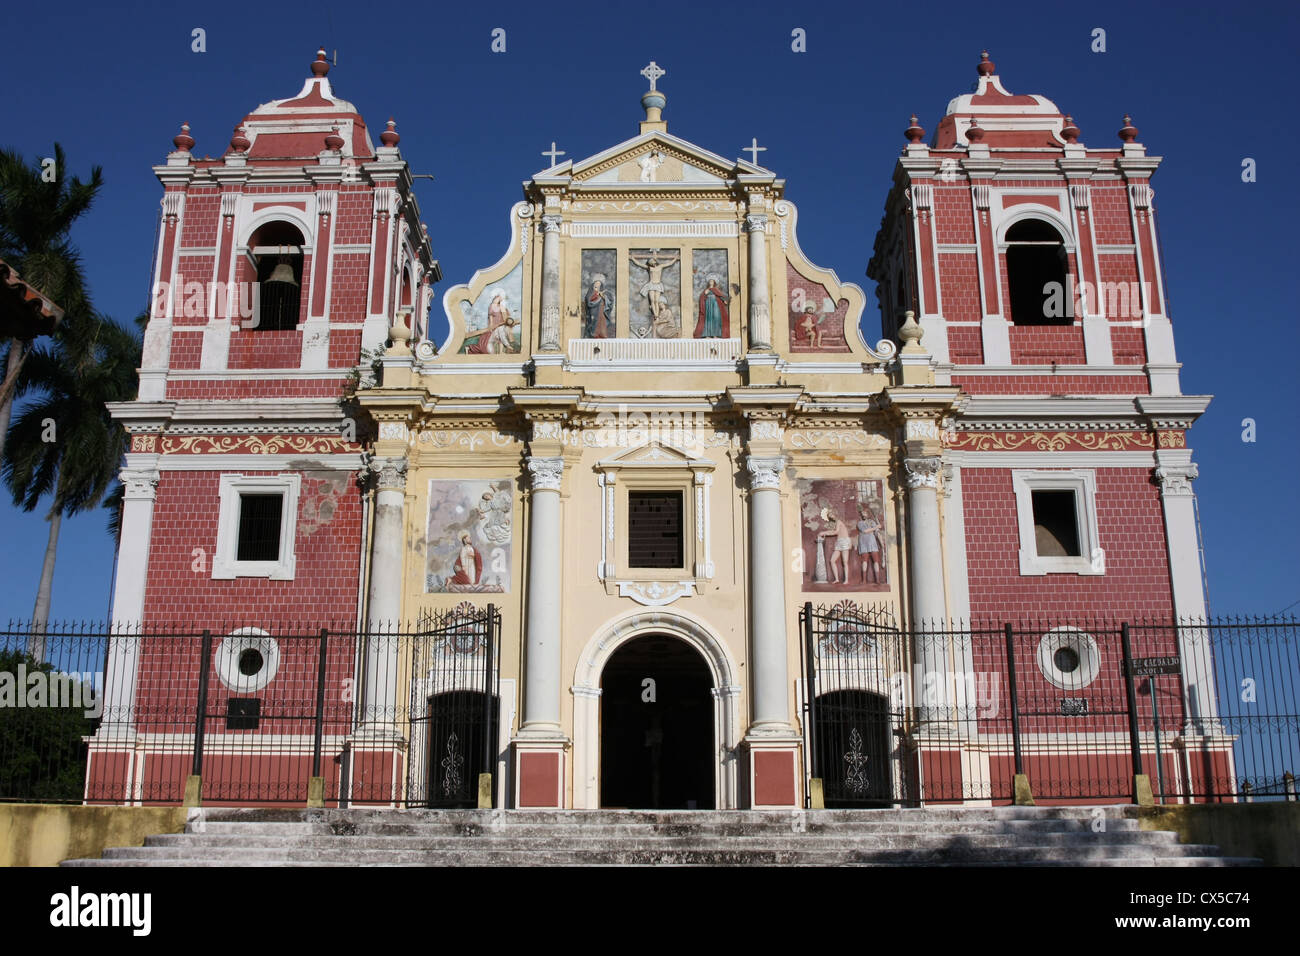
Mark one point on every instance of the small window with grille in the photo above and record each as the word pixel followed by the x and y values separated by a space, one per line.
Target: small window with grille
pixel 654 529
pixel 1056 524
pixel 256 526
pixel 259 527
pixel 1056 513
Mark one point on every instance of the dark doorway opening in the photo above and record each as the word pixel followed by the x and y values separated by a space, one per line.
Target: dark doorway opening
pixel 463 727
pixel 853 735
pixel 656 727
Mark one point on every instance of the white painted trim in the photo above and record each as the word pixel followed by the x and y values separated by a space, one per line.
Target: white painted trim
pixel 253 375
pixel 586 697
pixel 260 463
pixel 1084 485
pixel 225 564
pixel 1049 459
pixel 954 542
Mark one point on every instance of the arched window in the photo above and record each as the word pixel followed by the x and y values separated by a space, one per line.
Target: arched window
pixel 1036 275
pixel 276 258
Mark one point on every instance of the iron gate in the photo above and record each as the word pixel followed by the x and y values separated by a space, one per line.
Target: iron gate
pixel 853 659
pixel 455 706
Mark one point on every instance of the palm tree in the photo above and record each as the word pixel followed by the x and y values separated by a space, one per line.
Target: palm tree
pixel 64 444
pixel 38 206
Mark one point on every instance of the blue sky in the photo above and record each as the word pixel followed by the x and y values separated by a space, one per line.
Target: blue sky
pixel 1207 84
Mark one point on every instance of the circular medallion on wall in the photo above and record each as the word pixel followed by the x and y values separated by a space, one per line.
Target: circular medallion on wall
pixel 247 660
pixel 1069 658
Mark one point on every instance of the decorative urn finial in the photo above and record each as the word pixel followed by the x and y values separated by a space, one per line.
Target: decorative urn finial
pixel 321 65
pixel 183 140
pixel 1070 132
pixel 1128 132
pixel 986 66
pixel 334 141
pixel 914 133
pixel 909 333
pixel 239 142
pixel 389 136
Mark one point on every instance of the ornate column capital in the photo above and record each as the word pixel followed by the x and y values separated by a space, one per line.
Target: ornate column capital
pixel 390 473
pixel 545 473
pixel 550 223
pixel 139 483
pixel 756 222
pixel 921 472
pixel 1176 480
pixel 764 473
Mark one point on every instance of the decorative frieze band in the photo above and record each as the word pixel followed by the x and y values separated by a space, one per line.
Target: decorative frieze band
pixel 1062 441
pixel 241 444
pixel 666 230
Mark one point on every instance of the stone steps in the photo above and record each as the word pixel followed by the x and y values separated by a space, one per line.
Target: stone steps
pixel 978 836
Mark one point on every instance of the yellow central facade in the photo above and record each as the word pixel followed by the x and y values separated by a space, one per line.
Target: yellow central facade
pixel 653 327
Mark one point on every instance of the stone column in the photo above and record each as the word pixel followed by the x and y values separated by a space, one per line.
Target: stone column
pixel 772 746
pixel 542 623
pixel 768 677
pixel 140 484
pixel 540 745
pixel 550 331
pixel 385 600
pixel 760 310
pixel 925 558
pixel 1183 541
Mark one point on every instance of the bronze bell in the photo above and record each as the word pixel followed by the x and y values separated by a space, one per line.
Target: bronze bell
pixel 283 273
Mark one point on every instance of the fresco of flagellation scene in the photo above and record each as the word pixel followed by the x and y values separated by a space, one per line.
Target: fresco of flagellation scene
pixel 469 534
pixel 816 320
pixel 493 321
pixel 842 524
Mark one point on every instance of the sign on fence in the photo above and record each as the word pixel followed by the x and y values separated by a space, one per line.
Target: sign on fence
pixel 1154 666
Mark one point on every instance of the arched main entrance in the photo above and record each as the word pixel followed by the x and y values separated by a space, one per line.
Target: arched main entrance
pixel 657 748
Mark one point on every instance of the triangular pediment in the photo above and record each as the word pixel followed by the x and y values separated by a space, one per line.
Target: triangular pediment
pixel 653 157
pixel 653 454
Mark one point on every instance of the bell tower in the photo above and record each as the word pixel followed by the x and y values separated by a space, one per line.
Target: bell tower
pixel 284 264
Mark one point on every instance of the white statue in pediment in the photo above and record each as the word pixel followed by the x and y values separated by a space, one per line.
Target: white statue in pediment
pixel 650 163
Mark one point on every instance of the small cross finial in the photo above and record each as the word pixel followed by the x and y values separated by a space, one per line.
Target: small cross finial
pixel 553 152
pixel 653 72
pixel 754 149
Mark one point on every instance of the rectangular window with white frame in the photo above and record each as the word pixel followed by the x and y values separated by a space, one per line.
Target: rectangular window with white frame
pixel 256 527
pixel 1056 512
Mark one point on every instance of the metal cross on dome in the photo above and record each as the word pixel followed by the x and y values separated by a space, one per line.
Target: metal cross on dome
pixel 652 73
pixel 553 152
pixel 754 149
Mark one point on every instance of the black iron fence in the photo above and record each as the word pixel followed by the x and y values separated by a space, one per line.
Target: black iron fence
pixel 253 715
pixel 1076 712
pixel 1206 711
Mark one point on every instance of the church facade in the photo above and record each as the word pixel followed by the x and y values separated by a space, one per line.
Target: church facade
pixel 654 438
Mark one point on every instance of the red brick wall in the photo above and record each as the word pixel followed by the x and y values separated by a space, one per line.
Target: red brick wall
pixel 1053 384
pixel 324 589
pixel 1130 525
